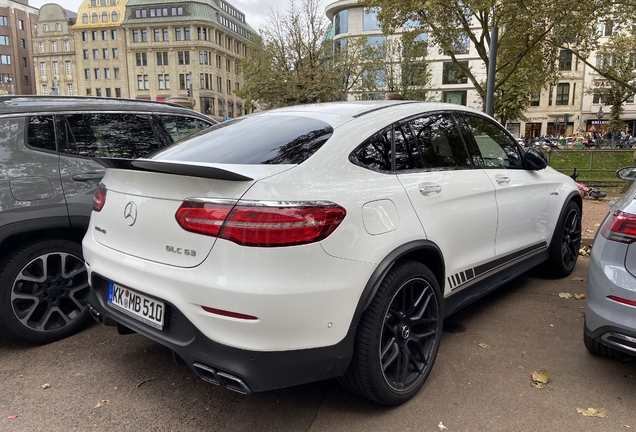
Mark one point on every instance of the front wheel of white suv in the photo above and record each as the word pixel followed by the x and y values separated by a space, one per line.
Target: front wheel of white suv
pixel 398 336
pixel 43 291
pixel 566 241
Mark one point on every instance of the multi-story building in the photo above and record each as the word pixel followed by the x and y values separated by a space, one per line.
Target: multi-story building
pixel 53 54
pixel 17 19
pixel 566 107
pixel 187 48
pixel 101 54
pixel 147 49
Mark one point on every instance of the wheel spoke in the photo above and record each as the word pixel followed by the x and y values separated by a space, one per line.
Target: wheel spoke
pixel 395 353
pixel 411 359
pixel 418 315
pixel 425 335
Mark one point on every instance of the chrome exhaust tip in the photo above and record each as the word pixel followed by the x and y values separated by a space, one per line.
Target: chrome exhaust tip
pixel 229 381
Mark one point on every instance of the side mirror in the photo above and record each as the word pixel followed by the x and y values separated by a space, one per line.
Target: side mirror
pixel 535 159
pixel 627 173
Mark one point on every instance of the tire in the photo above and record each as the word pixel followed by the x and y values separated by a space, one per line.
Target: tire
pixel 599 349
pixel 43 291
pixel 398 336
pixel 566 242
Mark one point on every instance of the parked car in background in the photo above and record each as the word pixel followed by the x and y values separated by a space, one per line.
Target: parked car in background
pixel 48 177
pixel 610 318
pixel 329 240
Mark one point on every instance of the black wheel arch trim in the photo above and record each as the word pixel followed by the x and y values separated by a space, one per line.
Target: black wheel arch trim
pixel 31 225
pixel 574 196
pixel 381 270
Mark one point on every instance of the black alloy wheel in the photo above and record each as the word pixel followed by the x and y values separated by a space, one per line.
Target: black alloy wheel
pixel 398 336
pixel 571 238
pixel 44 291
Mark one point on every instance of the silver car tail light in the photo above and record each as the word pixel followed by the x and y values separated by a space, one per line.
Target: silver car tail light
pixel 620 227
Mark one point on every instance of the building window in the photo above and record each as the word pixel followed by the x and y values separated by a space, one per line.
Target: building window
pixel 69 89
pixel 228 65
pixel 162 58
pixel 67 46
pixel 45 89
pixel 56 68
pixel 98 92
pixel 115 53
pixel 182 81
pixel 58 26
pixel 186 32
pixel 164 82
pixel 104 16
pixel 84 36
pixel 43 69
pixel 88 92
pixel 41 47
pixel 452 74
pixel 117 92
pixel 68 68
pixel 184 57
pixel 85 54
pixel 106 73
pixel 142 82
pixel 144 35
pixel 142 59
pixel 218 61
pixel 455 97
pixel 550 94
pixel 24 62
pixel 104 35
pixel 177 34
pixel 461 45
pixel 370 21
pixel 165 34
pixel 563 94
pixel 20 23
pixel 95 54
pixel 53 46
pixel 113 34
pixel 94 35
pixel 85 18
pixel 156 35
pixel 6 59
pixel 94 17
pixel 135 35
pixel 341 22
pixel 116 73
pixel 108 93
pixel 229 87
pixel 98 73
pixel 22 43
pixel 87 74
pixel 114 16
pixel 565 60
pixel 606 28
pixel 46 27
pixel 219 84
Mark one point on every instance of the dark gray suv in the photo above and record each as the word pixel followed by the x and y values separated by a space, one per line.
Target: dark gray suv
pixel 48 177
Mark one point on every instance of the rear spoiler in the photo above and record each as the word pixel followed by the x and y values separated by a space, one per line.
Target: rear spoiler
pixel 172 168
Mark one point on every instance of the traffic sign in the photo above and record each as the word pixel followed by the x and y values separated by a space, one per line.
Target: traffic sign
pixel 579 129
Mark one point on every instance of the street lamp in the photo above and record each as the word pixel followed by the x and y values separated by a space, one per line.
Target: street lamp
pixel 600 113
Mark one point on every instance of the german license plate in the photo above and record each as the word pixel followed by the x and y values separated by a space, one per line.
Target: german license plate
pixel 136 305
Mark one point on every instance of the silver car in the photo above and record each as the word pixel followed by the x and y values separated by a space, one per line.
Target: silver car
pixel 610 319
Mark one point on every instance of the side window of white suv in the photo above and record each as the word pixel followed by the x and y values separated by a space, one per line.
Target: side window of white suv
pixel 496 147
pixel 440 142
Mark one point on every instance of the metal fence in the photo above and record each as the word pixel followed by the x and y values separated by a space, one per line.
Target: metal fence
pixel 605 161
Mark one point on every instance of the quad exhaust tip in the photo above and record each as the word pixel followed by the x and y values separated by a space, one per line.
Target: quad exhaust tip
pixel 213 376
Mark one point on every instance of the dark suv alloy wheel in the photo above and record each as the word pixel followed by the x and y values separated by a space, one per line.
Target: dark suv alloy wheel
pixel 398 336
pixel 43 291
pixel 566 241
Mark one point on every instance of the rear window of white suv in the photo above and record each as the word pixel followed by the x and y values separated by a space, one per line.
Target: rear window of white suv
pixel 288 140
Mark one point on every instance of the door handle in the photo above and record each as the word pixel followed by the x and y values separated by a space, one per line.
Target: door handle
pixel 429 189
pixel 87 176
pixel 502 179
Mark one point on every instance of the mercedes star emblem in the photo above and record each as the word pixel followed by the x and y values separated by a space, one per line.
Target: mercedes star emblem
pixel 130 213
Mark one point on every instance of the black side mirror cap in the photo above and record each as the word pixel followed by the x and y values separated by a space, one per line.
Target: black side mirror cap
pixel 534 159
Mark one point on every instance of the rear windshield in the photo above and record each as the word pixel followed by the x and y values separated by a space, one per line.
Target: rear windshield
pixel 262 139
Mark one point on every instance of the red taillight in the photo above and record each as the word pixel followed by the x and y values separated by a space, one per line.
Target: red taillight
pixel 202 218
pixel 622 300
pixel 99 199
pixel 620 227
pixel 262 225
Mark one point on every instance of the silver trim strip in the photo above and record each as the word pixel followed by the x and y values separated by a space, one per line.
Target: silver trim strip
pixel 606 339
pixel 251 203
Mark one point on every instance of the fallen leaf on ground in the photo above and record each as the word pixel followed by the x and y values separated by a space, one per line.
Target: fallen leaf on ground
pixel 589 230
pixel 565 295
pixel 101 403
pixel 12 416
pixel 578 279
pixel 482 345
pixel 597 225
pixel 579 296
pixel 593 412
pixel 145 381
pixel 20 376
pixel 540 378
pixel 626 426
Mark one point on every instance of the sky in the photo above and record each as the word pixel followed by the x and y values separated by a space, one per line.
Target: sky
pixel 256 11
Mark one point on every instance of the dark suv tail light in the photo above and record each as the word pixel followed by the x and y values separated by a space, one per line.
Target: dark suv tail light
pixel 620 227
pixel 99 199
pixel 262 224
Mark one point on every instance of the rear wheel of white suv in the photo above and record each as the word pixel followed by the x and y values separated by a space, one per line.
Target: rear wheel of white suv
pixel 43 291
pixel 398 336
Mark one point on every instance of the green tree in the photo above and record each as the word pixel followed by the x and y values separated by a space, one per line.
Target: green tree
pixel 531 35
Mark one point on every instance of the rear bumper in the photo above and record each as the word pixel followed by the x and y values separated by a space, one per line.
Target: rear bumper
pixel 237 369
pixel 614 337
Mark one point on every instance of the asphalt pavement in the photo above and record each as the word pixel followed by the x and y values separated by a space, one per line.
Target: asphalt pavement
pixel 482 380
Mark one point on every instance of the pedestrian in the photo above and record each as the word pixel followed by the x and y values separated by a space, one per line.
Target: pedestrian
pixel 393 96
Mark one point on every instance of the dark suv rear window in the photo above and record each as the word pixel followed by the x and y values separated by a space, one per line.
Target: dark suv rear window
pixel 263 139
